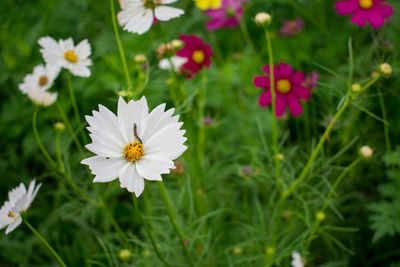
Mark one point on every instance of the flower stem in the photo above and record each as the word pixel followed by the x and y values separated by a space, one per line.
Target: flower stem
pixel 201 106
pixel 120 48
pixel 71 131
pixel 333 189
pixel 112 220
pixel 75 106
pixel 45 243
pixel 172 217
pixel 58 152
pixel 273 100
pixel 39 141
pixel 148 230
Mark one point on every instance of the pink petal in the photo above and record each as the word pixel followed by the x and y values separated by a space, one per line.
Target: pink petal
pixel 280 105
pixel 297 78
pixel 346 8
pixel 375 19
pixel 302 92
pixel 360 18
pixel 266 69
pixel 385 10
pixel 294 105
pixel 261 82
pixel 265 99
pixel 285 70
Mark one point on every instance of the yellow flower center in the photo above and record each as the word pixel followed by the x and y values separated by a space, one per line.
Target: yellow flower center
pixel 10 214
pixel 365 4
pixel 71 56
pixel 151 4
pixel 208 4
pixel 133 151
pixel 43 80
pixel 198 56
pixel 283 86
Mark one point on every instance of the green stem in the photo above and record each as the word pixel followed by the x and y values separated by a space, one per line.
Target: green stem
pixel 58 152
pixel 45 243
pixel 148 230
pixel 326 202
pixel 69 127
pixel 120 48
pixel 39 141
pixel 172 217
pixel 201 106
pixel 317 148
pixel 75 106
pixel 273 100
pixel 245 33
pixel 114 223
pixel 79 190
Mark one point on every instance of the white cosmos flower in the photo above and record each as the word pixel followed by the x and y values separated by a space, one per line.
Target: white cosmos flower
pixel 64 54
pixel 137 16
pixel 297 261
pixel 134 145
pixel 177 62
pixel 19 201
pixel 41 97
pixel 42 77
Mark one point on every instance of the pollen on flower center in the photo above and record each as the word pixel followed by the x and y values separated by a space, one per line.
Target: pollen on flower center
pixel 10 214
pixel 133 151
pixel 71 56
pixel 151 4
pixel 283 86
pixel 43 80
pixel 198 56
pixel 365 4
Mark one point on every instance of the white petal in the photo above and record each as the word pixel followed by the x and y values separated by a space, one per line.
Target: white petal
pixel 140 23
pixel 152 166
pixel 80 70
pixel 66 45
pixel 131 180
pixel 11 227
pixel 83 50
pixel 106 170
pixel 168 1
pixel 165 13
pixel 177 63
pixel 104 149
pixel 129 12
pixel 31 194
pixel 16 194
pixel 51 51
pixel 158 119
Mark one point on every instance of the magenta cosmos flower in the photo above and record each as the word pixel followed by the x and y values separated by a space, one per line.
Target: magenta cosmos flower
pixel 197 53
pixel 226 16
pixel 291 27
pixel 289 89
pixel 365 10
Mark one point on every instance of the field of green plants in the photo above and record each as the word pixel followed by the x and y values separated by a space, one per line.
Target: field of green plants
pixel 200 133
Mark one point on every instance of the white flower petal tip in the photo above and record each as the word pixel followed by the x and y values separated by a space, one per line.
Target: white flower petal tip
pixel 134 145
pixel 297 260
pixel 138 16
pixel 177 63
pixel 19 200
pixel 64 54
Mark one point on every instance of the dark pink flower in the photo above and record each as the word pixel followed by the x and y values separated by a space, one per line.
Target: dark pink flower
pixel 311 80
pixel 197 53
pixel 365 10
pixel 289 89
pixel 291 27
pixel 226 16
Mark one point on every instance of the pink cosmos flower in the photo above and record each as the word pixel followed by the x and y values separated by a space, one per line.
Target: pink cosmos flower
pixel 365 10
pixel 291 27
pixel 226 16
pixel 289 89
pixel 197 53
pixel 311 80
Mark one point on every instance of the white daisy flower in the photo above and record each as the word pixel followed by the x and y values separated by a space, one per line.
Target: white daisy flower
pixel 42 78
pixel 41 97
pixel 19 200
pixel 177 62
pixel 134 145
pixel 297 261
pixel 137 16
pixel 64 54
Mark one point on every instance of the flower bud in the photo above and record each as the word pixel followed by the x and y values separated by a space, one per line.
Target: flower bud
pixel 366 152
pixel 237 250
pixel 140 58
pixel 263 18
pixel 176 44
pixel 280 156
pixel 356 87
pixel 59 126
pixel 125 255
pixel 270 250
pixel 320 216
pixel 385 69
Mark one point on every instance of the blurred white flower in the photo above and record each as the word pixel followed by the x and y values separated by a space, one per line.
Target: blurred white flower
pixel 134 145
pixel 64 54
pixel 137 16
pixel 177 62
pixel 19 201
pixel 42 78
pixel 41 97
pixel 297 261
